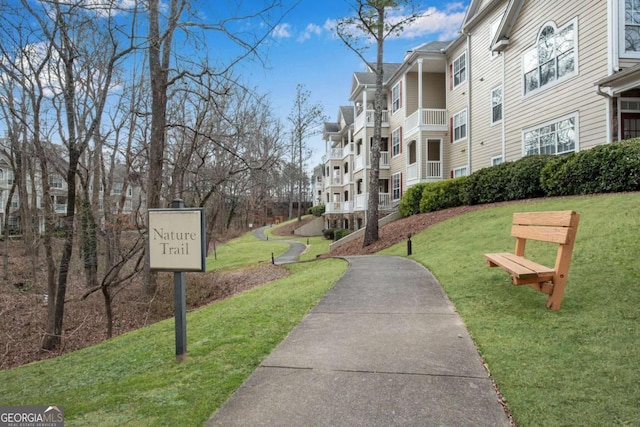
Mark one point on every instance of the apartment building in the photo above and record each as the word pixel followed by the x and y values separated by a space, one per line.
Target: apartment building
pixel 132 206
pixel 523 77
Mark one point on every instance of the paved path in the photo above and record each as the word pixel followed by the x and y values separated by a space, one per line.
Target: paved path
pixel 384 347
pixel 293 253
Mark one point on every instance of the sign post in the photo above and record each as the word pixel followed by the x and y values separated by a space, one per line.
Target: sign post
pixel 177 243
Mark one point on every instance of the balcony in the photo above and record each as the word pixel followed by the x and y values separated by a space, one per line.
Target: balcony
pixel 365 118
pixel 339 207
pixel 384 161
pixel 433 171
pixel 427 119
pixel 384 201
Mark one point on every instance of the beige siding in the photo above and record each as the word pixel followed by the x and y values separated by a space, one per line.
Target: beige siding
pixel 486 75
pixel 576 95
pixel 455 153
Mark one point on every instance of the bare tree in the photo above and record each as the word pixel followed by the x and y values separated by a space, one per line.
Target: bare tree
pixel 306 120
pixel 371 24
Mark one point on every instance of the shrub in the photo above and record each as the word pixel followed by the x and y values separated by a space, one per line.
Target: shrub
pixel 603 169
pixel 317 210
pixel 339 233
pixel 443 194
pixel 328 233
pixel 488 185
pixel 410 203
pixel 524 180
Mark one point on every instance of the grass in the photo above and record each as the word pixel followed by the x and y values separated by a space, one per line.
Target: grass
pixel 244 251
pixel 578 366
pixel 134 380
pixel 315 245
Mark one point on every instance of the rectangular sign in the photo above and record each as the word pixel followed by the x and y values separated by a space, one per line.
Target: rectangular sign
pixel 177 239
pixel 32 416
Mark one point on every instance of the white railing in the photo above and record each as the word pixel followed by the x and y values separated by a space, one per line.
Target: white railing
pixel 384 199
pixel 347 149
pixel 366 118
pixel 384 159
pixel 339 207
pixel 360 201
pixel 336 153
pixel 358 163
pixel 433 117
pixel 434 169
pixel 412 172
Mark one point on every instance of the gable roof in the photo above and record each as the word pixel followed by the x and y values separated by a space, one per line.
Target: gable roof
pixel 501 39
pixel 362 80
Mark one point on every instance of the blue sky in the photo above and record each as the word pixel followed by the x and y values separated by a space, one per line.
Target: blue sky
pixel 305 50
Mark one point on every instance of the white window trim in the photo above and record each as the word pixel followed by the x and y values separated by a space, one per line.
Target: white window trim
pixel 557 81
pixel 495 158
pixel 453 70
pixel 393 177
pixel 492 123
pixel 466 122
pixel 393 141
pixel 574 115
pixel 621 33
pixel 393 108
pixel 461 171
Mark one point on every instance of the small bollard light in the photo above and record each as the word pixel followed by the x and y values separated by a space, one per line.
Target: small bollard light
pixel 409 251
pixel 273 261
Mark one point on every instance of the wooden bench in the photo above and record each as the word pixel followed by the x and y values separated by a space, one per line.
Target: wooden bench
pixel 556 227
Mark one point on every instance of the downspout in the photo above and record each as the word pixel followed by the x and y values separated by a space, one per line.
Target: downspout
pixel 418 146
pixel 608 99
pixel 469 169
pixel 503 130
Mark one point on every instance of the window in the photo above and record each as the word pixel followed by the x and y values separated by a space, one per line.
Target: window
pixel 552 59
pixel 556 137
pixel 631 26
pixel 459 70
pixel 458 172
pixel 396 142
pixel 396 186
pixel 460 125
pixel 496 105
pixel 1 174
pixel 55 181
pixel 497 160
pixel 117 188
pixel 396 97
pixel 10 177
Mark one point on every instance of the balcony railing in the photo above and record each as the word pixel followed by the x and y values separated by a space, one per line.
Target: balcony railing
pixel 339 207
pixel 384 161
pixel 384 200
pixel 366 118
pixel 434 170
pixel 336 154
pixel 433 118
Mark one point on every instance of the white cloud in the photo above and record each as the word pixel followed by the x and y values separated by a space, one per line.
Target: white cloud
pixel 443 24
pixel 282 31
pixel 311 30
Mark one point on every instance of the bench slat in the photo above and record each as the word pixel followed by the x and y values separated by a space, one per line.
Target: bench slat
pixel 550 219
pixel 519 267
pixel 546 234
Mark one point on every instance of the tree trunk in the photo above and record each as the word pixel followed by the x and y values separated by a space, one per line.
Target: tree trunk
pixel 371 231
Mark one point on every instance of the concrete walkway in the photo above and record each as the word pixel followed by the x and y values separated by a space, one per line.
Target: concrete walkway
pixel 293 253
pixel 384 347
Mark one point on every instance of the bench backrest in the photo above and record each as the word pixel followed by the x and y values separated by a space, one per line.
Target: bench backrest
pixel 554 226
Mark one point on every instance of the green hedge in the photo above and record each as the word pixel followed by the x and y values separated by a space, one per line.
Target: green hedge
pixel 443 194
pixel 606 168
pixel 335 233
pixel 317 210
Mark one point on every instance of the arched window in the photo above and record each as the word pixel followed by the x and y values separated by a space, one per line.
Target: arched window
pixel 552 59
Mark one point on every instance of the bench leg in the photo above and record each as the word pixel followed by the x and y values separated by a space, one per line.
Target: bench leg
pixel 555 298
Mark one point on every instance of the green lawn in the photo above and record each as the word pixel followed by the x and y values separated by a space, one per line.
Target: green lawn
pixel 244 251
pixel 579 366
pixel 134 379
